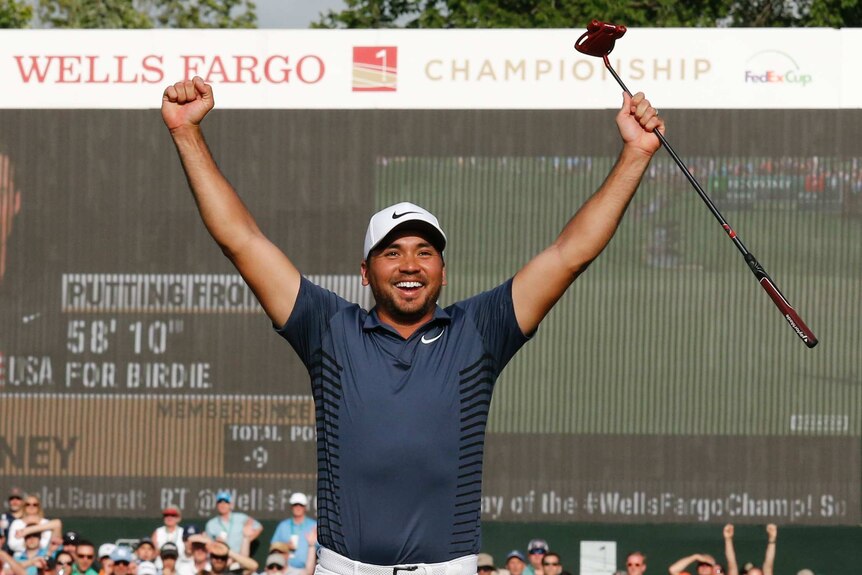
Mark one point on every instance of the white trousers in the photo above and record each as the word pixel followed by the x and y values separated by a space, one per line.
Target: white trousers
pixel 331 563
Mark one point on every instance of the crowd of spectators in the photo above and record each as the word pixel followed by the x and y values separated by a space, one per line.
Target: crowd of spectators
pixel 32 544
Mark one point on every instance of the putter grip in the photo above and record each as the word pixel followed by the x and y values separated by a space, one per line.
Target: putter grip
pixel 793 319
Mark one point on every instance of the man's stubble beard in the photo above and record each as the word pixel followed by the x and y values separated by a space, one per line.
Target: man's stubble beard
pixel 383 300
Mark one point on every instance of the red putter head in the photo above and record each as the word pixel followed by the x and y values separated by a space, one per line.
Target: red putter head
pixel 599 38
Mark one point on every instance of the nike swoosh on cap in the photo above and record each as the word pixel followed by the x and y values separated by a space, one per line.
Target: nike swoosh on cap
pixel 396 215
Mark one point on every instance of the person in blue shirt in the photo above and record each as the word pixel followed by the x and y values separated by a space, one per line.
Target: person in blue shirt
pixel 33 556
pixel 402 391
pixel 236 529
pixel 300 533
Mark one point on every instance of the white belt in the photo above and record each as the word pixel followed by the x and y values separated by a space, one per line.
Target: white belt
pixel 340 565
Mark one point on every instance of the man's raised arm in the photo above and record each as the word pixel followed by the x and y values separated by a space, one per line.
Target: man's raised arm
pixel 545 278
pixel 267 271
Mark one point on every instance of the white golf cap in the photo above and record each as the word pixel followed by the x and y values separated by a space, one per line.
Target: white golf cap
pixel 400 215
pixel 299 498
pixel 105 550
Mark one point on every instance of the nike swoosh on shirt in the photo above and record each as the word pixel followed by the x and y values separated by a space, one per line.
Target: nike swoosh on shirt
pixel 396 215
pixel 435 338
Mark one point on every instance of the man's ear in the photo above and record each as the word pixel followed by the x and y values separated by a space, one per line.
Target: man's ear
pixel 444 275
pixel 363 271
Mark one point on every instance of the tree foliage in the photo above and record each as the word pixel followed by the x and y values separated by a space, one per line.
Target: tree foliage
pixel 89 14
pixel 148 13
pixel 576 13
pixel 15 14
pixel 207 13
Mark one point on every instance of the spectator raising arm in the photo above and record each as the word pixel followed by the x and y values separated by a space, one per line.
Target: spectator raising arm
pixel 6 559
pixel 729 551
pixel 771 542
pixel 680 565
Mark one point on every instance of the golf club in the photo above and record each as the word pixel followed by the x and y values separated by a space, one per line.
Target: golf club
pixel 598 41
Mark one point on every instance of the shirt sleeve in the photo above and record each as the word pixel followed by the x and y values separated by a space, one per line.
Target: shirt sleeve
pixel 310 318
pixel 15 543
pixel 493 314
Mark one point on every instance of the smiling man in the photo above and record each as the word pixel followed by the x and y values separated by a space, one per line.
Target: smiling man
pixel 402 392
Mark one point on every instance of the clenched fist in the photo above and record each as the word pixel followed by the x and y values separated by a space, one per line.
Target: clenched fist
pixel 186 103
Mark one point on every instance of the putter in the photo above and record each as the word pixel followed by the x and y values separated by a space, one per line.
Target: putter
pixel 598 41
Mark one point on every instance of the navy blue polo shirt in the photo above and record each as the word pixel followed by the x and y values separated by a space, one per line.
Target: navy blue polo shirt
pixel 401 423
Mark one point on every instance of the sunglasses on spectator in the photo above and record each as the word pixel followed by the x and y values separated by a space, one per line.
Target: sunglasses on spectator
pixel 31 504
pixel 274 566
pixel 64 563
pixel 81 556
pixel 486 568
pixel 219 557
pixel 546 564
pixel 537 551
pixel 126 563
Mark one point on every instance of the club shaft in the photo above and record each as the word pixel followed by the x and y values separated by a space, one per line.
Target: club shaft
pixel 790 315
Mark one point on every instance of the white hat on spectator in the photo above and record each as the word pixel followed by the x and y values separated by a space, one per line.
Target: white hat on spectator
pixel 147 568
pixel 105 550
pixel 299 498
pixel 805 572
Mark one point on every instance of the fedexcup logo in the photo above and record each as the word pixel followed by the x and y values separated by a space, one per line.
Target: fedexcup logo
pixel 775 67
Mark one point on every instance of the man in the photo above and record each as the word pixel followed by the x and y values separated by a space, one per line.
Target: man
pixel 705 564
pixel 196 558
pixel 516 563
pixel 402 392
pixel 14 510
pixel 236 529
pixel 171 531
pixel 106 564
pixel 145 550
pixel 750 569
pixel 33 556
pixel 536 550
pixel 186 549
pixel 300 533
pixel 485 564
pixel 275 564
pixel 169 553
pixel 121 560
pixel 85 555
pixel 224 561
pixel 70 541
pixel 636 563
pixel 552 564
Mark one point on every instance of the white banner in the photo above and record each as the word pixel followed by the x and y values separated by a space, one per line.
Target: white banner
pixel 431 69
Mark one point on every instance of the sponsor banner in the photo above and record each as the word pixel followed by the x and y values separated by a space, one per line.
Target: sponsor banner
pixel 431 69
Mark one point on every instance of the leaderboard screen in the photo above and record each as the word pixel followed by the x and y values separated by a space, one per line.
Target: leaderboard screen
pixel 138 371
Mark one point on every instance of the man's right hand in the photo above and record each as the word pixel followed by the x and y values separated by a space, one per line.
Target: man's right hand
pixel 186 103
